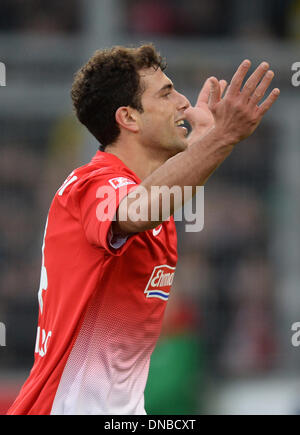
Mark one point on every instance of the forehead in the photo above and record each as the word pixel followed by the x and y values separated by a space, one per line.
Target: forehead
pixel 153 80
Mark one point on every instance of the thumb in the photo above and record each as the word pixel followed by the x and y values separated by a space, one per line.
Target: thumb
pixel 215 92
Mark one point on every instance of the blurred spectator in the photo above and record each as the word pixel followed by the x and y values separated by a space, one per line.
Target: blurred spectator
pixel 177 18
pixel 20 170
pixel 225 269
pixel 152 16
pixel 293 20
pixel 208 18
pixel 250 343
pixel 214 18
pixel 37 16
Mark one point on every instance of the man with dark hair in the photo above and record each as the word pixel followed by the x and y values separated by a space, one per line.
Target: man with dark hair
pixel 106 274
pixel 111 79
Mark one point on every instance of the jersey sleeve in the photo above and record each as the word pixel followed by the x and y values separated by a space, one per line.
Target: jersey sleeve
pixel 98 202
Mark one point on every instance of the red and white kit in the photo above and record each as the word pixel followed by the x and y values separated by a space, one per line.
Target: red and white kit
pixel 100 307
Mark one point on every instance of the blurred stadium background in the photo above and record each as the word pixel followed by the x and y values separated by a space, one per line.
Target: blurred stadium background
pixel 226 344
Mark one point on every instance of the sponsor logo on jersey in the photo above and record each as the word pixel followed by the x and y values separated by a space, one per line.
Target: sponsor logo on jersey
pixel 118 182
pixel 159 284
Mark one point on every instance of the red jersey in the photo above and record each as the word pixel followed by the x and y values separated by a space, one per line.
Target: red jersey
pixel 101 303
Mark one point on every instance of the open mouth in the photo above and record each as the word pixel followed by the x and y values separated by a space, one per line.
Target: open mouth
pixel 184 124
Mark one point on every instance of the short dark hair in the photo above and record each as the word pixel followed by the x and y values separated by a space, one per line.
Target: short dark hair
pixel 109 80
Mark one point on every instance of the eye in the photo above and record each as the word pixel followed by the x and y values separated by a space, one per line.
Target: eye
pixel 167 94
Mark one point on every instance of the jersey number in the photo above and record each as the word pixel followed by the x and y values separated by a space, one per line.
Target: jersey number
pixel 42 336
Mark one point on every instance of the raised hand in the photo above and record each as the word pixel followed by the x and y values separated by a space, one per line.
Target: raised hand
pixel 238 113
pixel 200 116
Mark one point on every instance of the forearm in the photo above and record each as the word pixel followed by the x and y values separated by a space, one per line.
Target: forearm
pixel 190 168
pixel 193 166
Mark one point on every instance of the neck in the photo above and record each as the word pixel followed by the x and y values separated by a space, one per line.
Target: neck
pixel 142 161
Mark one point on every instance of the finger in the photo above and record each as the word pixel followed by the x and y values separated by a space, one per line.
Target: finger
pixel 223 85
pixel 204 93
pixel 215 92
pixel 253 80
pixel 260 91
pixel 265 106
pixel 238 78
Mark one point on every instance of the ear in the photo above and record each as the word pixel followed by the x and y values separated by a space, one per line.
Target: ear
pixel 126 117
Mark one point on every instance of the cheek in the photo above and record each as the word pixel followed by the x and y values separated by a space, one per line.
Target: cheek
pixel 157 120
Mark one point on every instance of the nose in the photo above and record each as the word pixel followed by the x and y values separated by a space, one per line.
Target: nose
pixel 183 102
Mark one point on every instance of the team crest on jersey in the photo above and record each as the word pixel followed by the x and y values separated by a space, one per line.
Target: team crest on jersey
pixel 159 284
pixel 120 182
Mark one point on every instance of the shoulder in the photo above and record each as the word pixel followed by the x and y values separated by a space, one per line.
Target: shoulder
pixel 93 175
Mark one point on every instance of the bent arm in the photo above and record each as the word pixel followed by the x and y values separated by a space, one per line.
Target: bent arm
pixel 236 116
pixel 191 167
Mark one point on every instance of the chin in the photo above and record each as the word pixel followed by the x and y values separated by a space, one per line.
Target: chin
pixel 177 148
pixel 182 145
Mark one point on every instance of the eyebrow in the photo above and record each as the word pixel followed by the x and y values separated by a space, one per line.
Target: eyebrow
pixel 168 86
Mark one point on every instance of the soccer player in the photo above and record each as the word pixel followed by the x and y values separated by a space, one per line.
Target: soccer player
pixel 106 276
